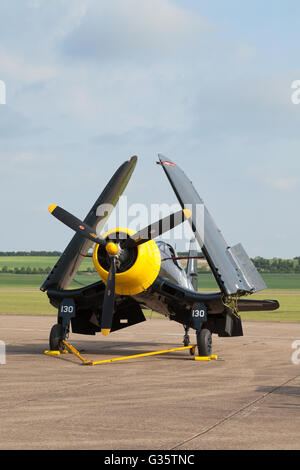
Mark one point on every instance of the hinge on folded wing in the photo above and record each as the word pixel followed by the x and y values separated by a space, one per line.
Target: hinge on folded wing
pixel 232 303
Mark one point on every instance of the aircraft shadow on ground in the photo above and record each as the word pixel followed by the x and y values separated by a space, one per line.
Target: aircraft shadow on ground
pixel 98 350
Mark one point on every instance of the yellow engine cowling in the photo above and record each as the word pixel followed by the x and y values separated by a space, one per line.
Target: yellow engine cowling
pixel 143 271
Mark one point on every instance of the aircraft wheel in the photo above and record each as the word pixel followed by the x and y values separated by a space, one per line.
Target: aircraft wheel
pixel 204 342
pixel 55 338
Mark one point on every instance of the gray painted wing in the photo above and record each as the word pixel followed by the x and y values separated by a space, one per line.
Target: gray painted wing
pixel 232 268
pixel 65 269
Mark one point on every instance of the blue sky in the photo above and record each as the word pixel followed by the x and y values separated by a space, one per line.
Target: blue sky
pixel 207 83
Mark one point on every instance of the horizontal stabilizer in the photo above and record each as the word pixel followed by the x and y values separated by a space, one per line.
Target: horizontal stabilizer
pixel 247 305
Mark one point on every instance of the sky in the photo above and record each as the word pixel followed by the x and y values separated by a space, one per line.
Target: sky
pixel 89 83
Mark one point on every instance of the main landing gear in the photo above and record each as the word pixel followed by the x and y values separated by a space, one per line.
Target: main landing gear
pixel 59 332
pixel 56 337
pixel 204 341
pixel 198 321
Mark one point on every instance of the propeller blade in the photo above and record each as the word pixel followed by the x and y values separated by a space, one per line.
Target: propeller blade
pixel 109 299
pixel 157 228
pixel 75 224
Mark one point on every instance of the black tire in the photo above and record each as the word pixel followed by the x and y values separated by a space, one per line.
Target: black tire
pixel 55 338
pixel 204 342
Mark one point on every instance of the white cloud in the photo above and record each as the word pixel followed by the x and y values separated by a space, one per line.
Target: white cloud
pixel 284 184
pixel 245 52
pixel 73 14
pixel 18 68
pixel 34 3
pixel 134 29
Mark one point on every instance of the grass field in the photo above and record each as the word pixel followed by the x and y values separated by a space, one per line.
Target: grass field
pixel 34 281
pixel 273 281
pixel 43 262
pixel 19 294
pixel 206 280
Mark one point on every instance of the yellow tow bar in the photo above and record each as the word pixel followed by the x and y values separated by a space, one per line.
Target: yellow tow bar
pixel 124 358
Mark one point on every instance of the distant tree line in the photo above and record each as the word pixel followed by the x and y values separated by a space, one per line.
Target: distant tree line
pixel 23 270
pixel 39 270
pixel 277 265
pixel 264 265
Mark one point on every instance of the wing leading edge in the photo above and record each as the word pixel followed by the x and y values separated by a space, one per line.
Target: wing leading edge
pixel 232 268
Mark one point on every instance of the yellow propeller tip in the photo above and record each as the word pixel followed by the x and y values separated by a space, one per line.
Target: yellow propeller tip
pixel 105 332
pixel 187 213
pixel 52 207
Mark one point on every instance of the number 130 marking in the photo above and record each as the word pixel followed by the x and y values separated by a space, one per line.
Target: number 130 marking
pixel 67 309
pixel 198 313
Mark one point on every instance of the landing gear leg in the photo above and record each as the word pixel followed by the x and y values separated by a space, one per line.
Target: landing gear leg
pixel 60 331
pixel 199 322
pixel 186 338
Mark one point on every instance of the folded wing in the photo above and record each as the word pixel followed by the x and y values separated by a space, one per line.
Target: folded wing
pixel 232 268
pixel 65 269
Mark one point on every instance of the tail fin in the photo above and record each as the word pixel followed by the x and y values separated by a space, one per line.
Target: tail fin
pixel 191 267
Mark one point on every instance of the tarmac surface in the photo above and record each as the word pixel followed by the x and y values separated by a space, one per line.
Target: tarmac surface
pixel 248 400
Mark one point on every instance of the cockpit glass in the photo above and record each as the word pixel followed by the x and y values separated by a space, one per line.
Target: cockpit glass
pixel 169 252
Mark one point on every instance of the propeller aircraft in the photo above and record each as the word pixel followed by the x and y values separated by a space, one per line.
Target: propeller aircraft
pixel 137 272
